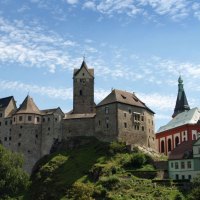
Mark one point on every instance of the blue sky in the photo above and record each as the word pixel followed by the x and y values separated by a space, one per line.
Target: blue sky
pixel 139 46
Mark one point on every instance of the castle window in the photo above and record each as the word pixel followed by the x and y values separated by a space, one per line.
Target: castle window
pixel 106 110
pixel 20 134
pixel 137 127
pixel 107 125
pixel 38 119
pixel 183 177
pixel 19 144
pixel 6 122
pixel 152 122
pixel 142 128
pixel 189 177
pixel 36 135
pixel 20 118
pixel 124 114
pixel 29 118
pixel 5 138
pixel 0 123
pixel 21 127
pixel 1 115
pixel 142 118
pixel 172 164
pixel 123 97
pixel 83 74
pixel 29 151
pixel 10 138
pixel 125 125
pixel 56 119
pixel 43 119
pixel 129 111
pixel 99 122
pixel 14 119
pixel 80 93
pixel 136 116
pixel 10 122
pixel 48 119
pixel 48 128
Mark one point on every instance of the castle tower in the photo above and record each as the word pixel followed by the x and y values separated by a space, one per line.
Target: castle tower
pixel 181 101
pixel 83 93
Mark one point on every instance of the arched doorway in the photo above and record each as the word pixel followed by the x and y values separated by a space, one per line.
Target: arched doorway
pixel 176 141
pixel 169 144
pixel 162 146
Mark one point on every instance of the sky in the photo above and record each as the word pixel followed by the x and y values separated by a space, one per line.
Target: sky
pixel 139 46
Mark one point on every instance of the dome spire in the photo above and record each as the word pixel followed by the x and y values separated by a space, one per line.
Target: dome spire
pixel 181 101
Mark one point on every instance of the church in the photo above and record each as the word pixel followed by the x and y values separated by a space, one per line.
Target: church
pixel 120 116
pixel 184 126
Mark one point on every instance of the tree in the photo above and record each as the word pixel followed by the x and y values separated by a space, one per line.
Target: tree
pixel 195 192
pixel 13 179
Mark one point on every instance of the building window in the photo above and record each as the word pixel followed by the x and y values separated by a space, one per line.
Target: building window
pixel 124 114
pixel 10 122
pixel 142 128
pixel 99 123
pixel 21 127
pixel 6 122
pixel 177 177
pixel 29 118
pixel 48 119
pixel 0 123
pixel 20 118
pixel 48 128
pixel 183 177
pixel 137 127
pixel 106 110
pixel 5 138
pixel 1 114
pixel 172 165
pixel 176 165
pixel 189 165
pixel 125 125
pixel 10 138
pixel 38 119
pixel 136 117
pixel 176 141
pixel 80 93
pixel 129 111
pixel 142 118
pixel 182 165
pixel 14 119
pixel 43 119
pixel 107 125
pixel 189 177
pixel 162 146
pixel 169 145
pixel 19 144
pixel 20 134
pixel 36 135
pixel 83 74
pixel 194 137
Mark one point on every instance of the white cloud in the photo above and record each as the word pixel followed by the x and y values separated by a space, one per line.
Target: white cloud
pixel 89 5
pixel 72 1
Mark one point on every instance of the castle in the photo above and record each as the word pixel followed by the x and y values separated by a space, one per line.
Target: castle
pixel 119 116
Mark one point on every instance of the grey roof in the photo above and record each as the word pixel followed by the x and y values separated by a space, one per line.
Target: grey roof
pixel 119 96
pixel 187 117
pixel 28 106
pixel 181 101
pixel 5 101
pixel 50 111
pixel 84 65
pixel 79 116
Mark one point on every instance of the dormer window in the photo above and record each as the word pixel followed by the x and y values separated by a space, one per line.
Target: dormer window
pixel 123 96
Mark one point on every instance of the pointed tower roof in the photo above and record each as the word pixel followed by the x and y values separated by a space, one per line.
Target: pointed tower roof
pixel 181 101
pixel 84 65
pixel 28 107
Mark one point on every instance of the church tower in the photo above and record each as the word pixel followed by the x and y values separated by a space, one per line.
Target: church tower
pixel 83 94
pixel 181 101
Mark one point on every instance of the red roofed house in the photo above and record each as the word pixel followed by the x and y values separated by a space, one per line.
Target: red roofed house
pixel 184 126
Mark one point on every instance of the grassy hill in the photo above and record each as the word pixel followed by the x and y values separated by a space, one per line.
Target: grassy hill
pixel 96 170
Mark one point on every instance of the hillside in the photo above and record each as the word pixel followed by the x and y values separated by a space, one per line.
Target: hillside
pixel 96 170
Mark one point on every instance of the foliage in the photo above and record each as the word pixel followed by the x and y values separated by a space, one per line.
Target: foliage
pixel 13 180
pixel 195 192
pixel 117 147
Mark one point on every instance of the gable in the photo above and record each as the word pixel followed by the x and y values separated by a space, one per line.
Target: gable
pixel 83 73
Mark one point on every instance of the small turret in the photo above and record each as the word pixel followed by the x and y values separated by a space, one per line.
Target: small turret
pixel 181 101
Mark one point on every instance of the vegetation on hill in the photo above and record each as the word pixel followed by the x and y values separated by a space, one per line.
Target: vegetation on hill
pixel 13 180
pixel 96 170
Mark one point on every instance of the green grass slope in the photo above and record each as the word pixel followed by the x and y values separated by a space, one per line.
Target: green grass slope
pixel 96 170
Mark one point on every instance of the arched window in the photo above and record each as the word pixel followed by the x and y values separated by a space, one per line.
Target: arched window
pixel 176 141
pixel 162 146
pixel 194 137
pixel 169 145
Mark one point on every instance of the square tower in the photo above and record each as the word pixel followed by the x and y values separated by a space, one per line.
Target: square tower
pixel 83 93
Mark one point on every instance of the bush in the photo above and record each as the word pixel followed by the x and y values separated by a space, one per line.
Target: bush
pixel 81 191
pixel 110 182
pixel 117 147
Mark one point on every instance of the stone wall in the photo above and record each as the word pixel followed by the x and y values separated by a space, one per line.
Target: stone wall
pixel 77 127
pixel 106 122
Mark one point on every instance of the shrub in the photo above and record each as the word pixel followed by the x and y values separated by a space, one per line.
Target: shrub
pixel 109 182
pixel 117 147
